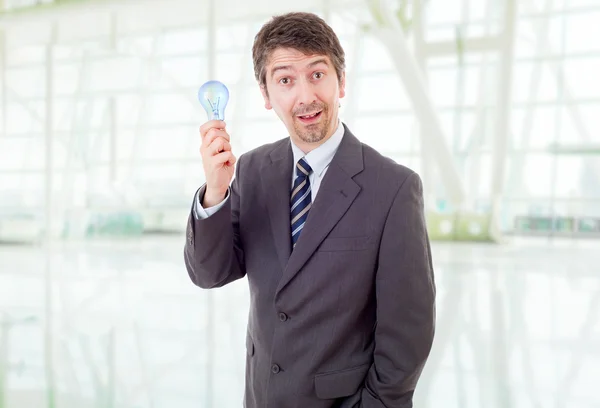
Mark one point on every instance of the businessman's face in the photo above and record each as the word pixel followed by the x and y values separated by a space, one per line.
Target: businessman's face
pixel 304 91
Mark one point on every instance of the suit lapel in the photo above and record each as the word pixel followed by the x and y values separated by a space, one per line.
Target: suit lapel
pixel 276 179
pixel 336 194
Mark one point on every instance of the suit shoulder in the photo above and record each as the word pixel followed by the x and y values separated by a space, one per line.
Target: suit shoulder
pixel 258 154
pixel 376 161
pixel 387 178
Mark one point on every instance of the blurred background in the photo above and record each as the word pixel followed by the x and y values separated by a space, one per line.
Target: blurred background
pixel 496 103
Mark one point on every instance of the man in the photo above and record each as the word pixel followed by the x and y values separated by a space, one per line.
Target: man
pixel 329 233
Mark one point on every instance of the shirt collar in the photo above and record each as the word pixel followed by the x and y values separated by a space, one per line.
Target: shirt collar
pixel 319 158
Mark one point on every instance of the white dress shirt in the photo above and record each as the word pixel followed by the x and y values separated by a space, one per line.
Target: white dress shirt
pixel 318 159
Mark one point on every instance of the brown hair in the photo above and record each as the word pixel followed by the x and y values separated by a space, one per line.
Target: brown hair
pixel 305 32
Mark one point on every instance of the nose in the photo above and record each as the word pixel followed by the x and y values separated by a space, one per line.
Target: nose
pixel 306 93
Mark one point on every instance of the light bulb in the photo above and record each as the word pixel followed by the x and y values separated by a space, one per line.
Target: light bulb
pixel 213 97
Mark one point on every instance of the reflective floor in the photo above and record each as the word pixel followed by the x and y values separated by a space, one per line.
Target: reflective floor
pixel 119 324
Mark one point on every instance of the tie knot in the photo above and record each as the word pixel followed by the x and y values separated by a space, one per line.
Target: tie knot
pixel 302 168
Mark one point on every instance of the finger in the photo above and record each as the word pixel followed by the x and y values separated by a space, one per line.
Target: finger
pixel 224 158
pixel 219 145
pixel 214 134
pixel 211 124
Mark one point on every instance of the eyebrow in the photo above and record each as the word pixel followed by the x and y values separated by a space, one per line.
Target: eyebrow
pixel 279 68
pixel 312 64
pixel 317 62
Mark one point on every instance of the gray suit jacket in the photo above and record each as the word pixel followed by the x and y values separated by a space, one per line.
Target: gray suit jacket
pixel 346 319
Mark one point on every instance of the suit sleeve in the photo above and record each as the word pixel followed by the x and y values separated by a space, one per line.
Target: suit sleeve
pixel 201 212
pixel 213 250
pixel 405 291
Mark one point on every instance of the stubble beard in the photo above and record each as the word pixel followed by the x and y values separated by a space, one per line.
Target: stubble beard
pixel 313 133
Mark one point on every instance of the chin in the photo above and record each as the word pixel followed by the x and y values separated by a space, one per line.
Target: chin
pixel 311 138
pixel 311 135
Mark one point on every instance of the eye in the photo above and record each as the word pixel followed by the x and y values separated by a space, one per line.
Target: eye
pixel 318 75
pixel 284 81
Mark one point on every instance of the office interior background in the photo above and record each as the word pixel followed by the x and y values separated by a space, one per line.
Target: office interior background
pixel 495 103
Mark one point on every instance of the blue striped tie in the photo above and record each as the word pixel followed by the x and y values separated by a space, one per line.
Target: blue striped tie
pixel 301 200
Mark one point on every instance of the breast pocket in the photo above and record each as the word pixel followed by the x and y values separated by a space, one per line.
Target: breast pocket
pixel 345 244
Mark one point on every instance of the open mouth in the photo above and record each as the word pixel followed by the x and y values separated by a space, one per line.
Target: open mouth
pixel 310 118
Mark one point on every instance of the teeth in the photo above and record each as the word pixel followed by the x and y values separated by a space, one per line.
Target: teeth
pixel 310 116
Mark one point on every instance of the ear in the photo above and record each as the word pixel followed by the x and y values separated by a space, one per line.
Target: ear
pixel 343 85
pixel 265 94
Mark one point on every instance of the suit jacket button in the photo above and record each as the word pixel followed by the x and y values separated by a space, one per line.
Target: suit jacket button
pixel 275 369
pixel 283 317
